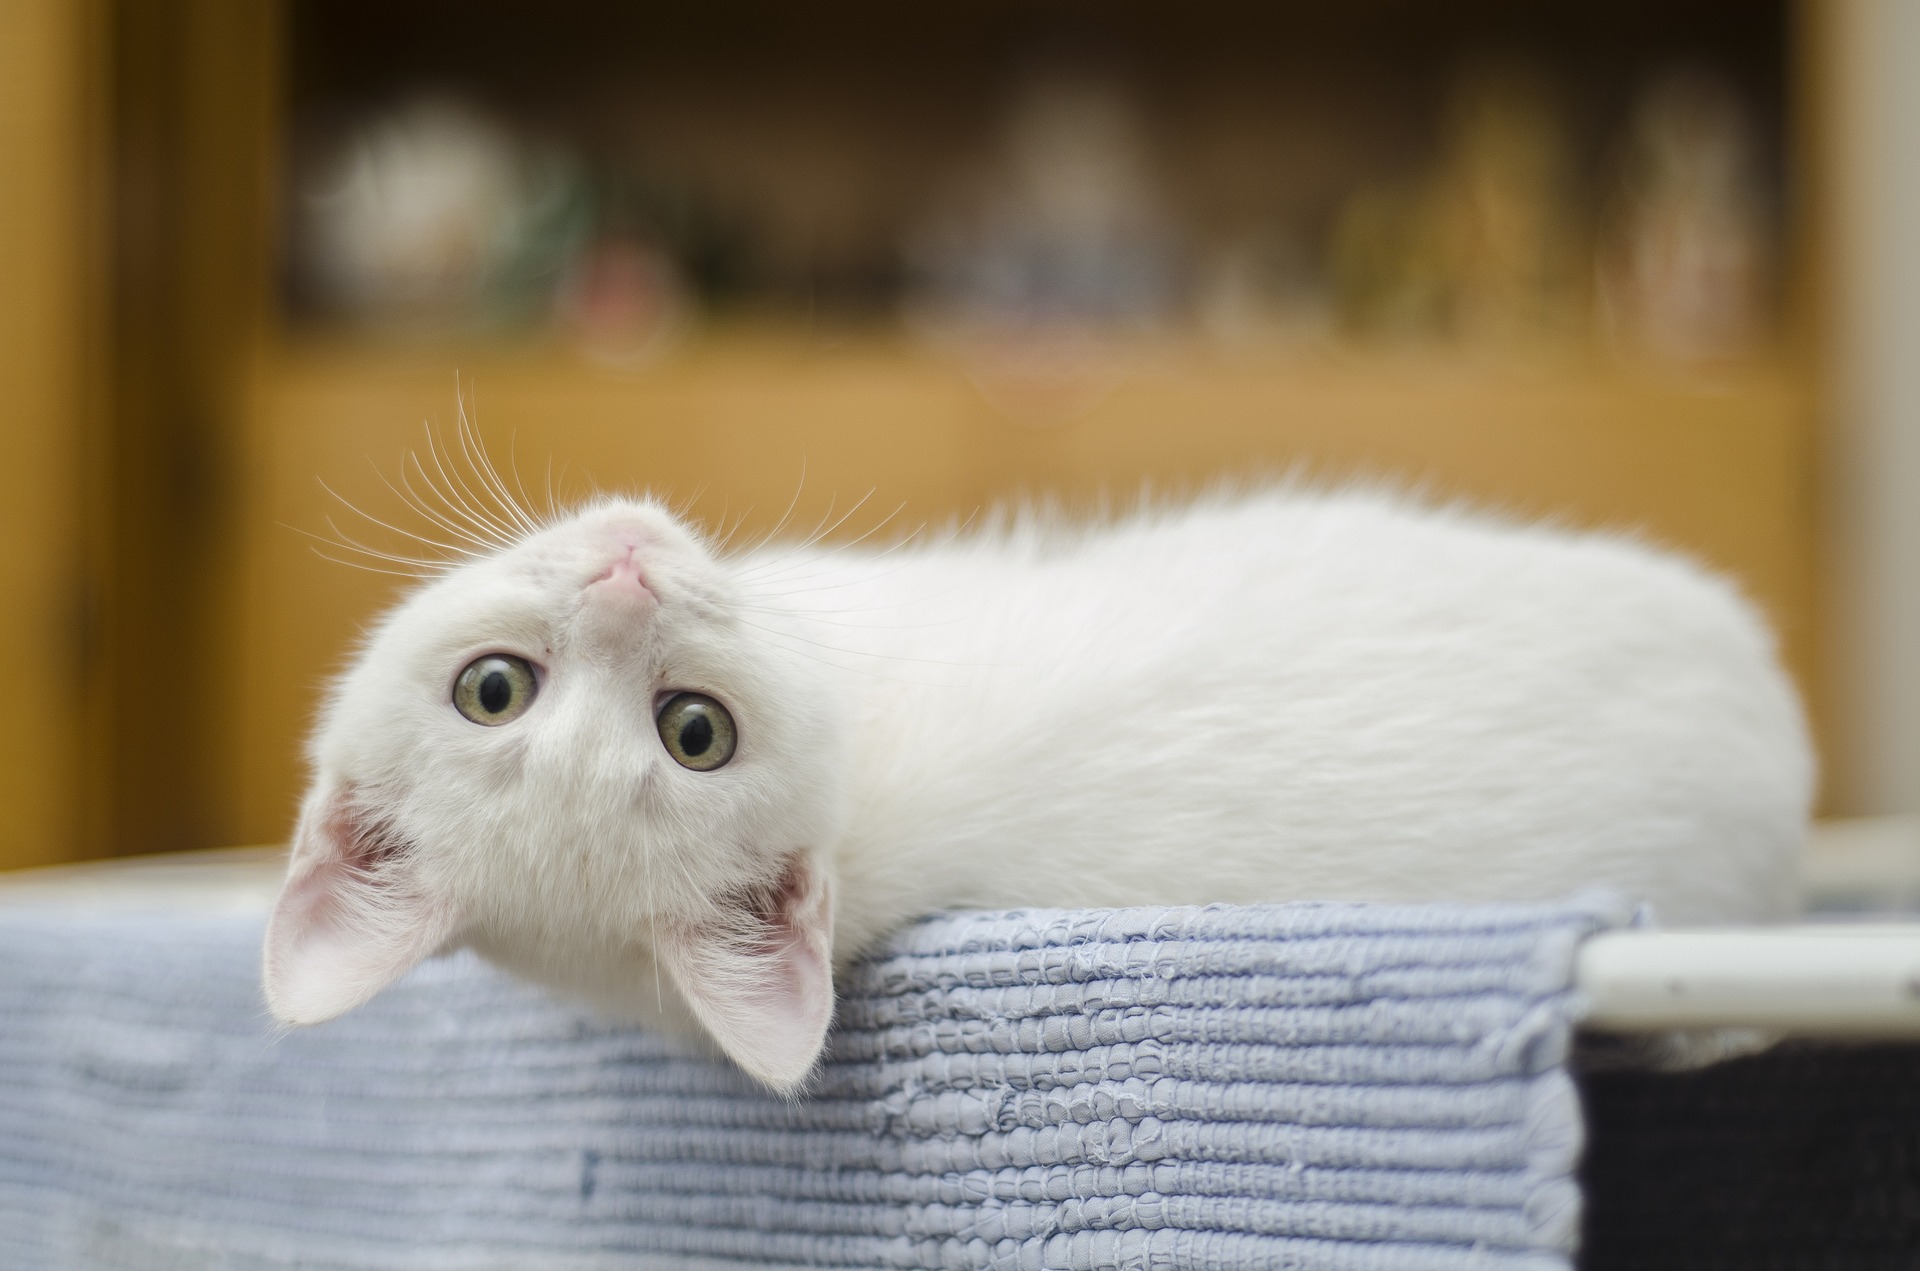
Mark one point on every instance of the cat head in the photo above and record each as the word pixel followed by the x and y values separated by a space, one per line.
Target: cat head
pixel 581 755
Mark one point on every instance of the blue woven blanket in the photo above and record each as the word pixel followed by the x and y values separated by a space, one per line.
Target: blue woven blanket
pixel 1299 1086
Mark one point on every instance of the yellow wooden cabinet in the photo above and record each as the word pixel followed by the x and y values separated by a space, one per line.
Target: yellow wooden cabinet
pixel 48 100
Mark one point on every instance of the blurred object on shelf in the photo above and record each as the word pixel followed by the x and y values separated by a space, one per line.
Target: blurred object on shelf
pixel 1484 248
pixel 1389 281
pixel 1042 270
pixel 433 215
pixel 1067 229
pixel 1047 233
pixel 1263 290
pixel 1684 260
pixel 1510 237
pixel 623 299
pixel 626 295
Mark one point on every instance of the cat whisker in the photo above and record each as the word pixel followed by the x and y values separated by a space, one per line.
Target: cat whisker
pixel 799 548
pixel 349 543
pixel 345 543
pixel 830 553
pixel 513 467
pixel 720 547
pixel 477 458
pixel 445 497
pixel 813 534
pixel 683 507
pixel 412 500
pixel 478 499
pixel 435 544
pixel 458 488
pixel 418 502
pixel 475 501
pixel 820 533
pixel 362 565
pixel 834 586
pixel 785 516
pixel 451 510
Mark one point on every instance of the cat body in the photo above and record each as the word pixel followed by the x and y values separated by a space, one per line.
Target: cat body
pixel 1264 697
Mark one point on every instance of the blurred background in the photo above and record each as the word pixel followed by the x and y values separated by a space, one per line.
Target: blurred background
pixel 1644 265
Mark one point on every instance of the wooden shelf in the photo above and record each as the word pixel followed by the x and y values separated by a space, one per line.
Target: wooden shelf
pixel 735 421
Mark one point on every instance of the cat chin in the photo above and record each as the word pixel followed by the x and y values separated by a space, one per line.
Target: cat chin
pixel 621 986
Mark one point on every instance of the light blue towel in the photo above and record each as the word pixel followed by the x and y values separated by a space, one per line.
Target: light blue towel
pixel 1298 1086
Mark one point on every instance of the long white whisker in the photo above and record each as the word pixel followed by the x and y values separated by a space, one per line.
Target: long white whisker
pixel 820 534
pixel 683 507
pixel 456 508
pixel 838 548
pixel 449 491
pixel 413 502
pixel 367 516
pixel 739 521
pixel 786 515
pixel 457 487
pixel 513 466
pixel 347 541
pixel 477 499
pixel 371 569
pixel 476 453
pixel 476 456
pixel 444 515
pixel 786 578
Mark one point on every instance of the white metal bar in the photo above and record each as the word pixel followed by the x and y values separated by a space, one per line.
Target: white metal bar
pixel 1810 980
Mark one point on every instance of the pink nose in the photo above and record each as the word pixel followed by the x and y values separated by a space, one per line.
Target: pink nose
pixel 624 575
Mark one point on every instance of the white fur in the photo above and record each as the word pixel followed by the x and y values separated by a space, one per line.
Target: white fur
pixel 1266 697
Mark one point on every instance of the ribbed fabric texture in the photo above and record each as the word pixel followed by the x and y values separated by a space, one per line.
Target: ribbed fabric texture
pixel 1300 1086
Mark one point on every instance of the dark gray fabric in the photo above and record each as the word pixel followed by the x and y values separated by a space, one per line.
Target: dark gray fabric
pixel 1804 1158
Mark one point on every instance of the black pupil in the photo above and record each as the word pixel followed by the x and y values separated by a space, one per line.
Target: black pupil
pixel 496 692
pixel 696 735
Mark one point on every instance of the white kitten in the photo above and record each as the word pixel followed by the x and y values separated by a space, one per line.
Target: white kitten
pixel 1265 698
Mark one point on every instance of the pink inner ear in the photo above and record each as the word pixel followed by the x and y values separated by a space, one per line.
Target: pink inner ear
pixel 351 917
pixel 761 980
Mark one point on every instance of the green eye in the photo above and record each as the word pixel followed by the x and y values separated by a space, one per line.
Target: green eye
pixel 496 689
pixel 697 731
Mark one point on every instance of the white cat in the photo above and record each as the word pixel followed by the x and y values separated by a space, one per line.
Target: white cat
pixel 688 784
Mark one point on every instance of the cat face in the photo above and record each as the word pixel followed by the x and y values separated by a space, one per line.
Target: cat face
pixel 580 756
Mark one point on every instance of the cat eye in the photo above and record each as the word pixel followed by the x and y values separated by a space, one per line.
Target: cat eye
pixel 697 731
pixel 496 689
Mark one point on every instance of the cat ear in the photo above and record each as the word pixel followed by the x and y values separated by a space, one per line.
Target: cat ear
pixel 761 980
pixel 351 917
